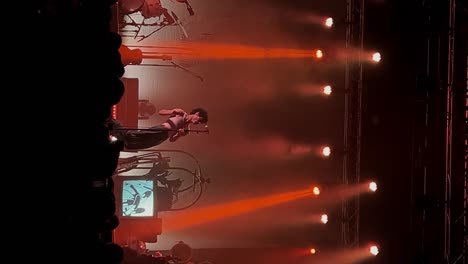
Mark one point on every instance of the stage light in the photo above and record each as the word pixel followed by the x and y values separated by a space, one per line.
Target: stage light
pixel 114 111
pixel 316 190
pixel 329 22
pixel 116 144
pixel 319 54
pixel 327 90
pixel 373 186
pixel 313 251
pixel 376 57
pixel 326 151
pixel 324 218
pixel 374 250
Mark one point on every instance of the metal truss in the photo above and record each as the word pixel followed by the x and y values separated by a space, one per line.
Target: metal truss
pixel 456 157
pixel 352 121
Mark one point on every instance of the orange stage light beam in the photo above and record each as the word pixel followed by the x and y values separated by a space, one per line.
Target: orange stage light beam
pixel 346 256
pixel 209 214
pixel 221 51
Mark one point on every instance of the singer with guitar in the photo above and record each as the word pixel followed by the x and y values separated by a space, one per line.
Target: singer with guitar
pixel 175 127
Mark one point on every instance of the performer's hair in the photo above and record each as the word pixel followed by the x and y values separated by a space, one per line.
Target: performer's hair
pixel 202 113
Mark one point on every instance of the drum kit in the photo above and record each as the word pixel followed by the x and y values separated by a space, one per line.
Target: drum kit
pixel 149 10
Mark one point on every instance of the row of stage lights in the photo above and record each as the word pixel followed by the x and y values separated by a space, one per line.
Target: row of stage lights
pixel 328 23
pixel 324 218
pixel 372 187
pixel 373 250
pixel 326 150
pixel 327 89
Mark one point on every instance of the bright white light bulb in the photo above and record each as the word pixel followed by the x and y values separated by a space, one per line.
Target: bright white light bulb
pixel 376 57
pixel 329 22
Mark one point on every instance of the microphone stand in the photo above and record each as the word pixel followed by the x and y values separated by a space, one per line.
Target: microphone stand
pixel 206 130
pixel 175 65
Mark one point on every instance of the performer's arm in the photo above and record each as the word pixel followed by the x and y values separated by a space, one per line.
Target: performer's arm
pixel 175 111
pixel 180 133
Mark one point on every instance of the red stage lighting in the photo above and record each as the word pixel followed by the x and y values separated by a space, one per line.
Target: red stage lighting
pixel 324 218
pixel 327 90
pixel 318 54
pixel 326 151
pixel 329 22
pixel 374 250
pixel 316 190
pixel 376 57
pixel 373 186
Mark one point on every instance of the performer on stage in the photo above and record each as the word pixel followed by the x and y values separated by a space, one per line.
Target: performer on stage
pixel 176 126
